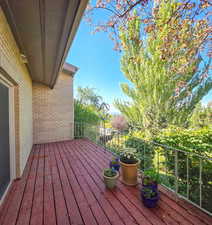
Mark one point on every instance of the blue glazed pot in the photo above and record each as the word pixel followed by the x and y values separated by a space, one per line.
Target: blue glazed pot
pixel 150 202
pixel 115 166
pixel 153 185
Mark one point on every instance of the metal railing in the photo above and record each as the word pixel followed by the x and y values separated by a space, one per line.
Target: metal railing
pixel 186 173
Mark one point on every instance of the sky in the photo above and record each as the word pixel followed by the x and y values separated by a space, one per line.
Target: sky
pixel 99 65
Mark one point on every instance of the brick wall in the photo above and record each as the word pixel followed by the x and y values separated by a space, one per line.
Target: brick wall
pixel 53 114
pixel 13 68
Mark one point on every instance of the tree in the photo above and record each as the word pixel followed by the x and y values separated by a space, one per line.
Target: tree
pixel 119 122
pixel 201 116
pixel 116 13
pixel 88 96
pixel 86 121
pixel 167 65
pixel 85 114
pixel 88 99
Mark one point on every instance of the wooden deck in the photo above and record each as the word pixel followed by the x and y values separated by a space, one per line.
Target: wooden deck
pixel 62 185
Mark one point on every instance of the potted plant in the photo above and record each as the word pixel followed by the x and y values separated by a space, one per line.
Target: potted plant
pixel 150 179
pixel 150 197
pixel 129 166
pixel 114 163
pixel 110 177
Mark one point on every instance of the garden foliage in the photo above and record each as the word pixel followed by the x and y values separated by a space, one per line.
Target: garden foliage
pixel 197 141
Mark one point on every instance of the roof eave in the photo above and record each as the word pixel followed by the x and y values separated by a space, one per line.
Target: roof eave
pixel 72 32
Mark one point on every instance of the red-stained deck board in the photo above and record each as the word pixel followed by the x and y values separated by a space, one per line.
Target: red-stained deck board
pixel 143 216
pixel 62 184
pixel 15 203
pixel 49 217
pixel 38 203
pixel 100 200
pixel 73 210
pixel 60 201
pixel 125 209
pixel 80 196
pixel 95 208
pixel 26 204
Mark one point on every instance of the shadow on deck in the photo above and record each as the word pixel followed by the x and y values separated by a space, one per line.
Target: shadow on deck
pixel 62 185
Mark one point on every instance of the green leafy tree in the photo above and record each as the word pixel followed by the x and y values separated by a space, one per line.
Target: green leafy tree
pixel 86 120
pixel 88 96
pixel 166 65
pixel 202 116
pixel 85 114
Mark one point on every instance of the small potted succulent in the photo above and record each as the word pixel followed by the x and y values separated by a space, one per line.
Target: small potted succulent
pixel 150 197
pixel 110 177
pixel 150 179
pixel 114 163
pixel 129 166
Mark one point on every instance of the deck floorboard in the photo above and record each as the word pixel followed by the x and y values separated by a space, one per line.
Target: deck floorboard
pixel 62 184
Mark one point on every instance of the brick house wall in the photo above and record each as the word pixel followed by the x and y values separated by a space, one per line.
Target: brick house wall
pixel 53 114
pixel 13 70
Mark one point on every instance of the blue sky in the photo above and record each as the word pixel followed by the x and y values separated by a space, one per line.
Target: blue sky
pixel 99 65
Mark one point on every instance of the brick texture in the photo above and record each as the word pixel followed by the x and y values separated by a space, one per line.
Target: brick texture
pixel 16 71
pixel 53 114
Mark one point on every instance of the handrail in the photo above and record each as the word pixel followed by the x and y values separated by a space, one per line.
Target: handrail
pixel 172 148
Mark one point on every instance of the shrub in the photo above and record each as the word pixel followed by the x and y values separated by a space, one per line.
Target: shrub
pixel 85 119
pixel 144 151
pixel 191 141
pixel 85 114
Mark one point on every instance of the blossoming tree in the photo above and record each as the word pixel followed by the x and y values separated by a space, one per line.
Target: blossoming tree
pixel 168 64
pixel 116 13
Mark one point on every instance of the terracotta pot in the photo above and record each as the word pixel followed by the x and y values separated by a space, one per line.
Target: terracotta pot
pixel 129 173
pixel 110 182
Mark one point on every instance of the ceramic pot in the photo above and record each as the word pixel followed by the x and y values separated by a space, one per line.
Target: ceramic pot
pixel 129 173
pixel 150 202
pixel 110 182
pixel 115 166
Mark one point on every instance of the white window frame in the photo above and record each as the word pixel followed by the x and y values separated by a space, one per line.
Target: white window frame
pixel 10 86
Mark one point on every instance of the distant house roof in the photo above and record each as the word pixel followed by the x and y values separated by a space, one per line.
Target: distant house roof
pixel 44 31
pixel 69 69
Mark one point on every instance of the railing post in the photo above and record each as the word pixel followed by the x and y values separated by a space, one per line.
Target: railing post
pixel 187 172
pixel 200 183
pixel 167 179
pixel 104 136
pixel 158 159
pixel 118 139
pixel 176 171
pixel 96 134
pixel 144 155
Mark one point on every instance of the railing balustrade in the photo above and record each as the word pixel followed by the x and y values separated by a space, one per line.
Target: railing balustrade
pixel 186 173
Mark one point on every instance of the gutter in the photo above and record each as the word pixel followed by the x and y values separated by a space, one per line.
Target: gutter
pixel 72 31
